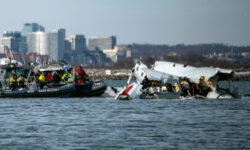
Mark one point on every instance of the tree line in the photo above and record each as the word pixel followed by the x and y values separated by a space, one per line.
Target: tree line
pixel 186 54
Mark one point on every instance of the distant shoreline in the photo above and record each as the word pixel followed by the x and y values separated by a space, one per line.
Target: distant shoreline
pixel 100 74
pixel 113 77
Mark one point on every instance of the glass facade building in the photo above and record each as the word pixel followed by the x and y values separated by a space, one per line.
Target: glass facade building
pixel 56 44
pixel 101 42
pixel 28 28
pixel 32 27
pixel 78 42
pixel 11 39
pixel 47 43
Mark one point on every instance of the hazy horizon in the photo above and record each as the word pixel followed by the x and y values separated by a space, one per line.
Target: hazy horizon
pixel 167 22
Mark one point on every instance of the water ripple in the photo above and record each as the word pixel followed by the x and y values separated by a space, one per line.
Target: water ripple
pixel 103 123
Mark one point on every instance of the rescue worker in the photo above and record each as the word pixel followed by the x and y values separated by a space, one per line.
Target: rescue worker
pixel 41 81
pixel 80 71
pixel 67 77
pixel 21 81
pixel 81 75
pixel 37 75
pixel 56 78
pixel 48 77
pixel 13 82
pixel 185 88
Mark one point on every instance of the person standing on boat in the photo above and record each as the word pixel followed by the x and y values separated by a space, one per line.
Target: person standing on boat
pixel 80 71
pixel 67 77
pixel 21 81
pixel 81 75
pixel 13 82
pixel 41 81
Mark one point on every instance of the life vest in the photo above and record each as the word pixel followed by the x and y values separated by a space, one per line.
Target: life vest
pixel 80 71
pixel 80 81
pixel 41 78
pixel 49 76
pixel 21 79
pixel 12 79
pixel 66 77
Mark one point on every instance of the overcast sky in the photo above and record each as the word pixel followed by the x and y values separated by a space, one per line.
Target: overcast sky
pixel 137 21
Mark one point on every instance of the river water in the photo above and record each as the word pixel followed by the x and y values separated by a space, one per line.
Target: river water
pixel 105 123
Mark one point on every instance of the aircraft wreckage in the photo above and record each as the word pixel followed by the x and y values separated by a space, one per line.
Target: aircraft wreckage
pixel 169 80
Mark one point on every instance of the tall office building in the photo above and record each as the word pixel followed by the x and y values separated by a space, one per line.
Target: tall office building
pixel 11 43
pixel 23 46
pixel 31 27
pixel 67 47
pixel 3 49
pixel 11 39
pixel 7 41
pixel 56 46
pixel 38 42
pixel 15 34
pixel 78 42
pixel 28 28
pixel 101 42
pixel 47 43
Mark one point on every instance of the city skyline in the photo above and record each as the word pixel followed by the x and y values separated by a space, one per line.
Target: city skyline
pixel 141 21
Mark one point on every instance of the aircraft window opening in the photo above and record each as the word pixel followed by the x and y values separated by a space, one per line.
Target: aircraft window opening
pixel 142 74
pixel 137 68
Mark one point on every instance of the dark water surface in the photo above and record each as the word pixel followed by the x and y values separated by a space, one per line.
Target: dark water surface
pixel 104 123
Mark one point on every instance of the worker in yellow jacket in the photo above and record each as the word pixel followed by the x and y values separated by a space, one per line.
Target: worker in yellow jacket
pixel 13 82
pixel 21 81
pixel 67 77
pixel 41 80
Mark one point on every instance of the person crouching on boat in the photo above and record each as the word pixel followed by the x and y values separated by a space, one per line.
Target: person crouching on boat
pixel 67 77
pixel 13 82
pixel 21 81
pixel 41 81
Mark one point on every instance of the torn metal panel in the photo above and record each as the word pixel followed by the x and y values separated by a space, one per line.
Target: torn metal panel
pixel 192 73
